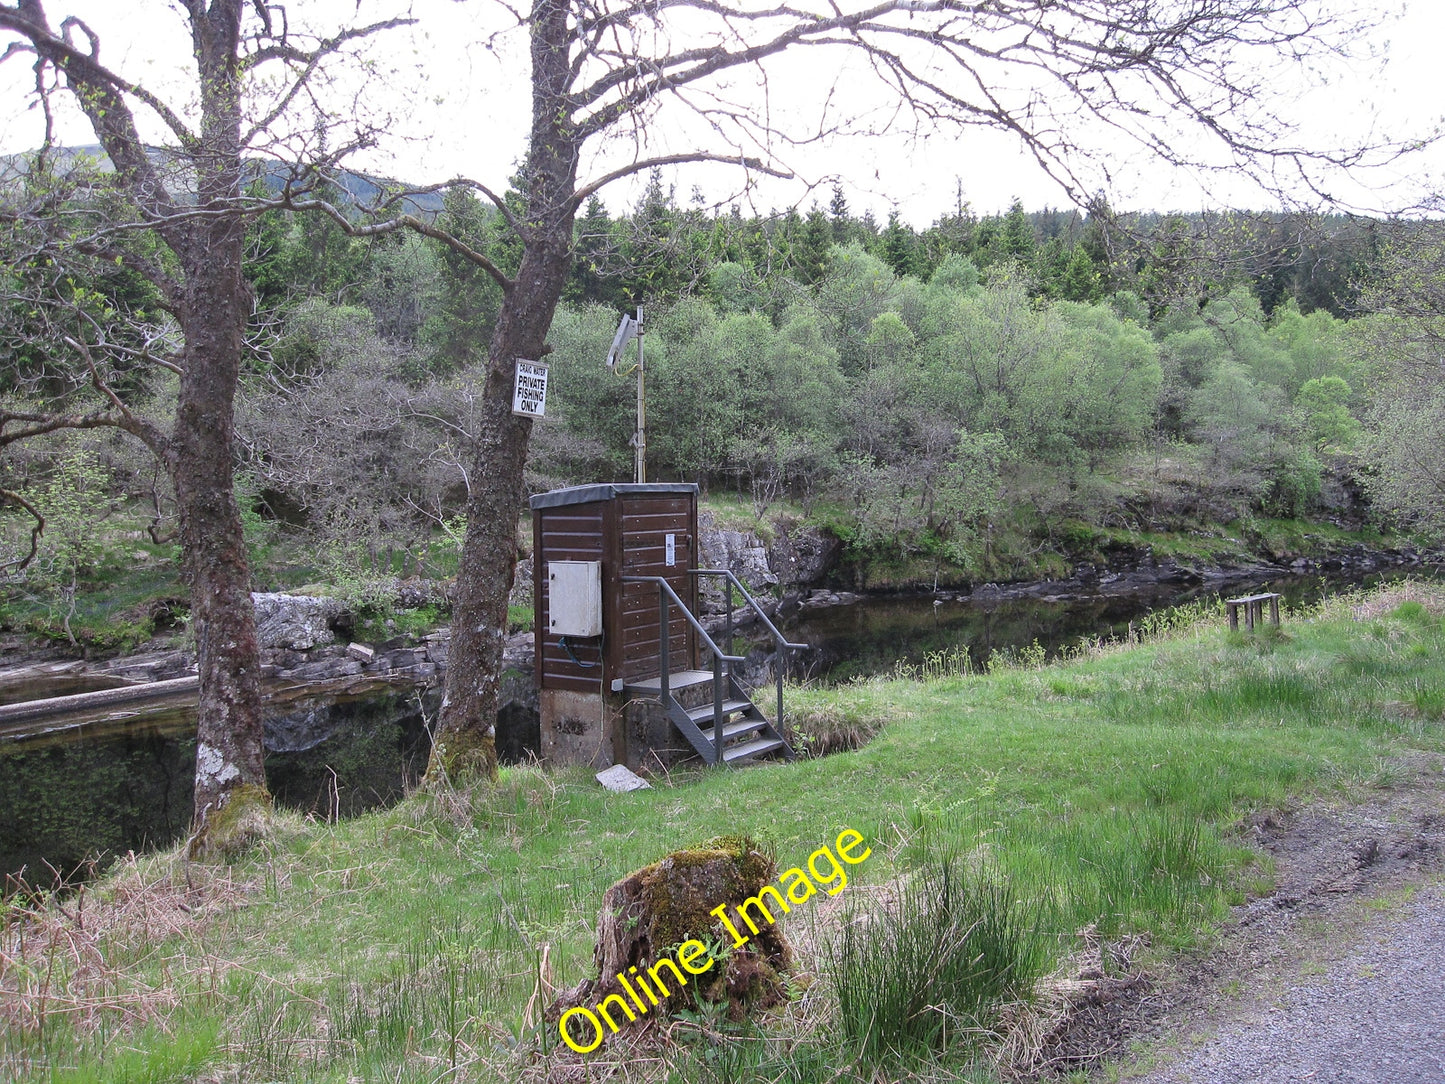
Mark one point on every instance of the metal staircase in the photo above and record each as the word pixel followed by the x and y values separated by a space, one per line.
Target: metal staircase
pixel 722 723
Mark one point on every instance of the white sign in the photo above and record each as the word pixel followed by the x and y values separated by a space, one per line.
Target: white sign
pixel 529 394
pixel 671 547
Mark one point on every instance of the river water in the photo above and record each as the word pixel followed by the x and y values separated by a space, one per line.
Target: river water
pixel 876 634
pixel 96 793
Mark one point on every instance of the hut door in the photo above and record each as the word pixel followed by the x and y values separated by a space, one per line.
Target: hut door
pixel 657 541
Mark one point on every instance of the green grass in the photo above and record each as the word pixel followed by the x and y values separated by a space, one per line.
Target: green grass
pixel 115 610
pixel 1203 546
pixel 381 624
pixel 1234 541
pixel 151 1056
pixel 932 967
pixel 1308 536
pixel 407 944
pixel 736 512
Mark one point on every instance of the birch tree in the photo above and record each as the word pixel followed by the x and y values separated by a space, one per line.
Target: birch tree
pixel 1404 344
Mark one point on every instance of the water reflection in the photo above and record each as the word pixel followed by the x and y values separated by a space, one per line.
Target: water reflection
pixel 877 634
pixel 97 792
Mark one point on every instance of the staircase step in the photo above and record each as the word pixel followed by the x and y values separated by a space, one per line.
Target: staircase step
pixel 733 729
pixel 750 749
pixel 730 707
pixel 683 679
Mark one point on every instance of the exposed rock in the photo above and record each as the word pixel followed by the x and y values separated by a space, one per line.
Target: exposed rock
pixel 744 616
pixel 299 658
pixel 622 780
pixel 800 555
pixel 414 593
pixel 152 666
pixel 519 651
pixel 742 552
pixel 399 658
pixel 322 670
pixel 522 585
pixel 295 621
pixel 803 555
pixel 817 600
pixel 438 645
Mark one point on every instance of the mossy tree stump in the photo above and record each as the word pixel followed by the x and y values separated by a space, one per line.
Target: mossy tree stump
pixel 648 914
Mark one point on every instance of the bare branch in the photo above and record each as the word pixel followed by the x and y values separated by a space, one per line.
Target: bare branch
pixel 308 61
pixel 757 165
pixel 100 94
pixel 36 424
pixel 518 227
pixel 1042 71
pixel 36 530
pixel 402 222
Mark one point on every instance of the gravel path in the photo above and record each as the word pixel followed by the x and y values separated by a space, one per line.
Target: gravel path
pixel 1375 1015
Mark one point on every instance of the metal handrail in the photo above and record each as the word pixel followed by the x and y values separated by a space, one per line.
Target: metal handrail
pixel 762 614
pixel 664 619
pixel 781 643
pixel 662 583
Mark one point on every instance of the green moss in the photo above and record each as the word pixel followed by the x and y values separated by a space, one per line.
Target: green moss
pixel 242 821
pixel 674 919
pixel 678 896
pixel 463 758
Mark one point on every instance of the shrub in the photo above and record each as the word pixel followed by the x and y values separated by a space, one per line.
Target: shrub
pixel 1294 486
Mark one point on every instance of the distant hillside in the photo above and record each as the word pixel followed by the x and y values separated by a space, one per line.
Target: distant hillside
pixel 357 189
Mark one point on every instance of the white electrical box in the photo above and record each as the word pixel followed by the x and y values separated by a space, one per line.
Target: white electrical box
pixel 574 598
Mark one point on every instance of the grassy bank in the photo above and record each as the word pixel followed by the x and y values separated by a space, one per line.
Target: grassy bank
pixel 421 944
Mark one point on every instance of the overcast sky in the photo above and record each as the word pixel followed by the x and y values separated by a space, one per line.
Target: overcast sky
pixel 460 107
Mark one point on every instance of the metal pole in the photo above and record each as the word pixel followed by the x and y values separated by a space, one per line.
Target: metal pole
pixel 782 665
pixel 728 643
pixel 717 712
pixel 663 620
pixel 641 405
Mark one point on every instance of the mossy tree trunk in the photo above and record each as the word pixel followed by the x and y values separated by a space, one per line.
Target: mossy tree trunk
pixel 465 748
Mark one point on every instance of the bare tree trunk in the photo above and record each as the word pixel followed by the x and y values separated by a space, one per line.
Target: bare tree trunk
pixel 230 778
pixel 465 747
pixel 231 803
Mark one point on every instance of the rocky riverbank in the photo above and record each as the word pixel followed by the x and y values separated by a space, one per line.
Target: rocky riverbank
pixel 803 569
pixel 797 567
pixel 1142 571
